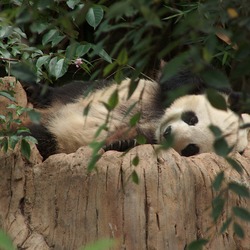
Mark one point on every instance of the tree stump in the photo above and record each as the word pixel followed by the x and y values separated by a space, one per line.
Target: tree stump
pixel 58 204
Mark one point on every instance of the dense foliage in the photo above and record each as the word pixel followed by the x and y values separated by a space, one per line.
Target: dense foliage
pixel 57 41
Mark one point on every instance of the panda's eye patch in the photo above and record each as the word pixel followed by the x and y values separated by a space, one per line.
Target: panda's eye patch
pixel 189 117
pixel 190 149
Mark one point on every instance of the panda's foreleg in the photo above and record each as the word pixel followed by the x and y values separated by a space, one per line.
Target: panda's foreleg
pixel 47 144
pixel 122 139
pixel 121 145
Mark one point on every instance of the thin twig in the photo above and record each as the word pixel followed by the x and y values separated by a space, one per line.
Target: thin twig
pixel 9 59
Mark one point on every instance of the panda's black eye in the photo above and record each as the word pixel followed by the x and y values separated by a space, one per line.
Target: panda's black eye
pixel 190 149
pixel 189 117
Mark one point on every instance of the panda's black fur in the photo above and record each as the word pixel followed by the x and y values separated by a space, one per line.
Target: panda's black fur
pixel 150 99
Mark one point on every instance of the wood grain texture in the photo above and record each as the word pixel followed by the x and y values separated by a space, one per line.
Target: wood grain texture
pixel 58 204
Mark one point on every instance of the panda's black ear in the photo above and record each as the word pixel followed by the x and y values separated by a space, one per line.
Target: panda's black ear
pixel 239 102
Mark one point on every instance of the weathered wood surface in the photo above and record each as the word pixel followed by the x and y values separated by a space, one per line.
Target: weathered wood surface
pixel 57 204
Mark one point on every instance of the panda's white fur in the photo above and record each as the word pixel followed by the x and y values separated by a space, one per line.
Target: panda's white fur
pixel 72 129
pixel 200 134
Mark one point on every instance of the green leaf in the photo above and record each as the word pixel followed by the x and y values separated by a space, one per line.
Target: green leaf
pixel 52 65
pixel 135 177
pixel 73 3
pixel 216 99
pixel 218 180
pixel 235 165
pixel 122 58
pixel 218 205
pixel 31 139
pixel 238 230
pixel 103 54
pixel 59 70
pixel 215 130
pixel 5 241
pixel 7 94
pixel 108 69
pixel 42 60
pixel 82 49
pixel 93 160
pixel 239 189
pixel 5 31
pixel 226 225
pixel 57 67
pixel 4 143
pixel 198 244
pixel 25 149
pixel 34 116
pixel 117 9
pixel 52 36
pixel 96 146
pixel 13 140
pixel 214 78
pixel 135 119
pixel 174 66
pixel 113 100
pixel 23 72
pixel 94 16
pixel 135 160
pixel 141 139
pixel 241 213
pixel 49 36
pixel 221 147
pixel 103 244
pixel 151 16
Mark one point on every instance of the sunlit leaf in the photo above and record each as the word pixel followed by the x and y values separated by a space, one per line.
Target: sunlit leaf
pixel 7 94
pixel 113 100
pixel 122 58
pixel 94 16
pixel 5 241
pixel 135 119
pixel 58 71
pixel 136 160
pixel 103 244
pixel 135 177
pixel 42 60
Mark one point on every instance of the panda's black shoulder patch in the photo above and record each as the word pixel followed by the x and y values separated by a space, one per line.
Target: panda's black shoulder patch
pixel 47 144
pixel 43 96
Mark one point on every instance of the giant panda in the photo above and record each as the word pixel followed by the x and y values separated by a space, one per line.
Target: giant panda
pixel 72 116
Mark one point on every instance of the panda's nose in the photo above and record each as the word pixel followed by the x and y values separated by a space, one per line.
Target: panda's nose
pixel 167 133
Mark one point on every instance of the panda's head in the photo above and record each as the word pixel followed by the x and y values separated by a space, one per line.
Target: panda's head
pixel 187 123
